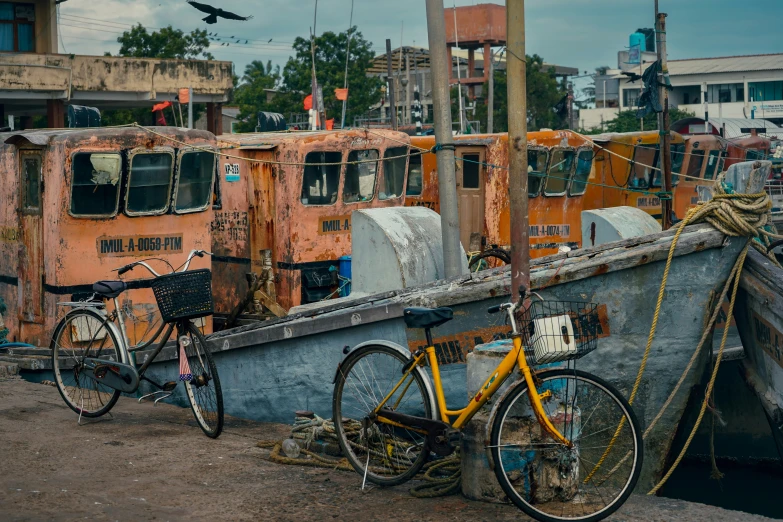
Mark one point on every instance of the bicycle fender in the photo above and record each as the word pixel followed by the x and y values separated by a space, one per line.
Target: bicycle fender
pixel 124 357
pixel 407 353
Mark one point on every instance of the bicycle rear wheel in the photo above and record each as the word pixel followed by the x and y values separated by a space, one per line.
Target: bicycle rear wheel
pixel 550 481
pixel 83 333
pixel 489 259
pixel 203 389
pixel 389 455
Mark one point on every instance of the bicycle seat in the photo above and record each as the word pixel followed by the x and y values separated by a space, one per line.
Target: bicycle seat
pixel 427 317
pixel 109 289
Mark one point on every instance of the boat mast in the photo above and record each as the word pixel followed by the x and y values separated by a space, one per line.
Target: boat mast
pixel 517 145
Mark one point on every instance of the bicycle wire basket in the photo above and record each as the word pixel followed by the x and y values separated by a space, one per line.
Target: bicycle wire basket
pixel 184 295
pixel 554 331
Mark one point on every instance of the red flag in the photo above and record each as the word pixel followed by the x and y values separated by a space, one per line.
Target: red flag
pixel 308 102
pixel 160 119
pixel 341 94
pixel 161 106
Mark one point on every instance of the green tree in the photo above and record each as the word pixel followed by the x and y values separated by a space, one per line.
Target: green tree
pixel 626 121
pixel 543 93
pixel 166 43
pixel 330 51
pixel 250 95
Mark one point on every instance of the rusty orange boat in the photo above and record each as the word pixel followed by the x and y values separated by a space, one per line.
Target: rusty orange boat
pixel 284 204
pixel 82 202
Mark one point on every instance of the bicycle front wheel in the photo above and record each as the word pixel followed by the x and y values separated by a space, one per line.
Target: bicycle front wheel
pixel 388 455
pixel 550 481
pixel 489 259
pixel 83 333
pixel 203 388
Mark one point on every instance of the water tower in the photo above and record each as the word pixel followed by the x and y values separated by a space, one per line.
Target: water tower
pixel 477 26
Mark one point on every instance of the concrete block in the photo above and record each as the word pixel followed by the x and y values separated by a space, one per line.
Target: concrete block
pixel 8 370
pixel 478 479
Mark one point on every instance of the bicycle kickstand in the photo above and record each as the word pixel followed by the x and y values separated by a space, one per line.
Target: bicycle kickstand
pixel 166 395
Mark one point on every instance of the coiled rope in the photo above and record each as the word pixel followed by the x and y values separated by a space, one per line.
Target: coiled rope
pixel 440 477
pixel 733 214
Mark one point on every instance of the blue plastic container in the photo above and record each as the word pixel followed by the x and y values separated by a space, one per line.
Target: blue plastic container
pixel 344 269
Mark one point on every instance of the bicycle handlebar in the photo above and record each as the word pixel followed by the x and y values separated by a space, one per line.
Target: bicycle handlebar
pixel 131 266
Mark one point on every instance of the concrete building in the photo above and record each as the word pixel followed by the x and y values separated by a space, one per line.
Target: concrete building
pixel 732 87
pixel 35 79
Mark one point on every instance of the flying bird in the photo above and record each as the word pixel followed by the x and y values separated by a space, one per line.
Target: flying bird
pixel 270 40
pixel 215 13
pixel 245 41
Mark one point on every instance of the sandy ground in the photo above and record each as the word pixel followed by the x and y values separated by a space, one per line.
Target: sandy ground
pixel 153 463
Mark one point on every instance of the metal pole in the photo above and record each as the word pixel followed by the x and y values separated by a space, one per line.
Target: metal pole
pixel 663 122
pixel 314 82
pixel 347 55
pixel 441 104
pixel 517 141
pixel 190 107
pixel 570 105
pixel 392 105
pixel 491 93
pixel 408 87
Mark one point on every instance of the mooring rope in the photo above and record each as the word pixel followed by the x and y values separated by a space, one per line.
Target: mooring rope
pixel 733 214
pixel 441 477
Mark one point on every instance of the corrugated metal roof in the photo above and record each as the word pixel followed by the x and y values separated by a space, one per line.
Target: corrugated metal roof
pixel 735 127
pixel 757 62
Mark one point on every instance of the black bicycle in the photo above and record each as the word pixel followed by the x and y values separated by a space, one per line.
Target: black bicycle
pixel 91 354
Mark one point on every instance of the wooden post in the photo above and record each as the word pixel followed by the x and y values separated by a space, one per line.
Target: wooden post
pixel 55 114
pixel 215 118
pixel 441 104
pixel 517 145
pixel 489 61
pixel 663 122
pixel 390 79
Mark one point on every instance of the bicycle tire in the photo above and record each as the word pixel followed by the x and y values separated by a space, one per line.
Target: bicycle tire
pixel 488 259
pixel 207 405
pixel 525 467
pixel 401 467
pixel 68 381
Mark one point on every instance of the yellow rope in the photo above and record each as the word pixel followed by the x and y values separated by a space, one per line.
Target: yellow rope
pixel 734 215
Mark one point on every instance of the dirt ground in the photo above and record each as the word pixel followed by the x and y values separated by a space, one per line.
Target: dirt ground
pixel 153 463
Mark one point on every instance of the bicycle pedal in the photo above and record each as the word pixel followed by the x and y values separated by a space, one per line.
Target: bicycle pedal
pixel 169 386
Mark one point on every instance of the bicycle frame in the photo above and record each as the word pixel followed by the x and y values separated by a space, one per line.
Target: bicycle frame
pixel 515 357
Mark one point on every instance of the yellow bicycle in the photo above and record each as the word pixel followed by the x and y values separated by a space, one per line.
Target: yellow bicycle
pixel 565 444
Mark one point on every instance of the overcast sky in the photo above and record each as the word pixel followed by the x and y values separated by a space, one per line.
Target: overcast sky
pixel 576 33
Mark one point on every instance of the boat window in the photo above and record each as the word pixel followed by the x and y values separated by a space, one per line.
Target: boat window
pixel 694 163
pixel 644 157
pixel 754 154
pixel 95 184
pixel 536 170
pixel 31 192
pixel 414 176
pixel 471 163
pixel 194 185
pixel 394 163
pixel 149 183
pixel 360 177
pixel 319 186
pixel 584 163
pixel 712 164
pixel 677 155
pixel 559 172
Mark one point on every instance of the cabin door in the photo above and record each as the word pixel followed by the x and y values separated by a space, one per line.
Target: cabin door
pixel 470 195
pixel 31 245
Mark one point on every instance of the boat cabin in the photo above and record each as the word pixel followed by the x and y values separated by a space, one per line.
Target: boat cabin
pixel 283 208
pixel 83 202
pixel 560 163
pixel 627 165
pixel 747 148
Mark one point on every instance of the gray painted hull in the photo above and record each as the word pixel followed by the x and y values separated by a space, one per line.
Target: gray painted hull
pixel 759 316
pixel 269 370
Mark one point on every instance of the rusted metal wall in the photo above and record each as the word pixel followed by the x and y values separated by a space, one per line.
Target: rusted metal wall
pixel 300 236
pixel 476 24
pixel 73 249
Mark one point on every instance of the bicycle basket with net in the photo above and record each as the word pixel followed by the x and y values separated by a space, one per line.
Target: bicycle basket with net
pixel 554 331
pixel 184 295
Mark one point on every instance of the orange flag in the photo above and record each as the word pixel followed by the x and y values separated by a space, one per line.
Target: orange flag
pixel 308 102
pixel 330 124
pixel 341 94
pixel 184 95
